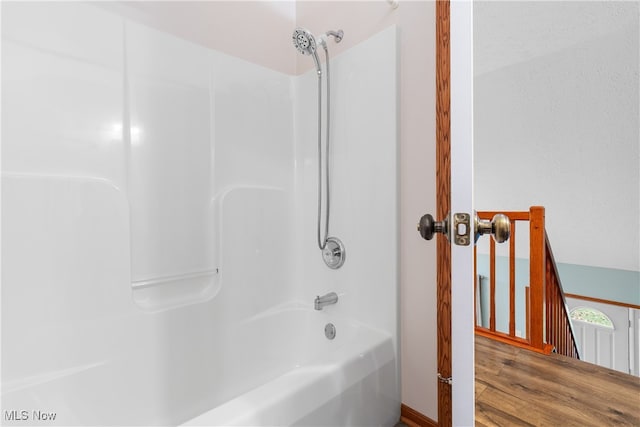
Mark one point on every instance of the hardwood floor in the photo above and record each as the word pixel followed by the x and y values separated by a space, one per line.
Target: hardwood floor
pixel 520 387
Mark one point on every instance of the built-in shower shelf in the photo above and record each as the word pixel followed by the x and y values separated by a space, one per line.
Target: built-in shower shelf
pixel 162 293
pixel 169 279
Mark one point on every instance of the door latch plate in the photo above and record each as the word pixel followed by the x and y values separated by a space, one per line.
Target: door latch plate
pixel 462 229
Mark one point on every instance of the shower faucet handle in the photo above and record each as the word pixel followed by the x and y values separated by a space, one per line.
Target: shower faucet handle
pixel 334 253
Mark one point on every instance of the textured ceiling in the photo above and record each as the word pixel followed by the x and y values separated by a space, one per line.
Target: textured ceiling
pixel 510 32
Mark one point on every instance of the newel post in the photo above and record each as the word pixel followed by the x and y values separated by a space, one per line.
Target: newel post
pixel 537 275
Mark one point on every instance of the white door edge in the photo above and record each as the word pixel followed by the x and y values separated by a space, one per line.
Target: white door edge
pixel 462 298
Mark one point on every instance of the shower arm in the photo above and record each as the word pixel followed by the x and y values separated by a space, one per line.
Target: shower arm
pixel 337 35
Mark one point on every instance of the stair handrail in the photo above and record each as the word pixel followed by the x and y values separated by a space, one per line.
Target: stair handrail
pixel 542 296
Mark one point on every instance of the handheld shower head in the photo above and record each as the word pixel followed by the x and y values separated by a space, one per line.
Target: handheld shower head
pixel 305 43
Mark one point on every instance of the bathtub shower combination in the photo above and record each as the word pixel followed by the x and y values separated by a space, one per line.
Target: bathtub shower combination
pixel 163 206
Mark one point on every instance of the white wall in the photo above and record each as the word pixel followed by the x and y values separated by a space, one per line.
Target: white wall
pixel 557 122
pixel 247 29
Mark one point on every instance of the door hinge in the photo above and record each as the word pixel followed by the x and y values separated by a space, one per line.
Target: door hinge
pixel 448 380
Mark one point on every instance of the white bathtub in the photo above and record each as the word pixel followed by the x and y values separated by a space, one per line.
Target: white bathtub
pixel 349 380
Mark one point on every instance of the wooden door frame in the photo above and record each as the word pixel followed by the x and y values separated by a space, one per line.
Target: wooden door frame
pixel 443 206
pixel 454 151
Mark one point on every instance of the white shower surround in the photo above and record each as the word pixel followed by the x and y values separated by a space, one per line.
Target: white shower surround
pixel 112 134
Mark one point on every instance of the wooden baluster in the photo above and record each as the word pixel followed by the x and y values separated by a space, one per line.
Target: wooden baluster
pixel 476 285
pixel 549 303
pixel 548 308
pixel 565 334
pixel 537 275
pixel 492 284
pixel 562 323
pixel 553 339
pixel 527 314
pixel 512 280
pixel 556 314
pixel 561 318
pixel 556 331
pixel 556 308
pixel 556 320
pixel 553 321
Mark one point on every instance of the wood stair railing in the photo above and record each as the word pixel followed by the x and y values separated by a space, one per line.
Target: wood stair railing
pixel 548 324
pixel 559 329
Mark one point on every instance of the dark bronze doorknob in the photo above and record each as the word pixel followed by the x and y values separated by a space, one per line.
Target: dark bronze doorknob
pixel 427 227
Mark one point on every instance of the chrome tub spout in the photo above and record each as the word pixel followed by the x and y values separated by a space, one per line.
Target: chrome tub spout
pixel 321 301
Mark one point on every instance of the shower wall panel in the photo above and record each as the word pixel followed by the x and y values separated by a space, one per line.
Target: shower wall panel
pixel 170 166
pixel 62 91
pixel 364 183
pixel 364 189
pixel 131 156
